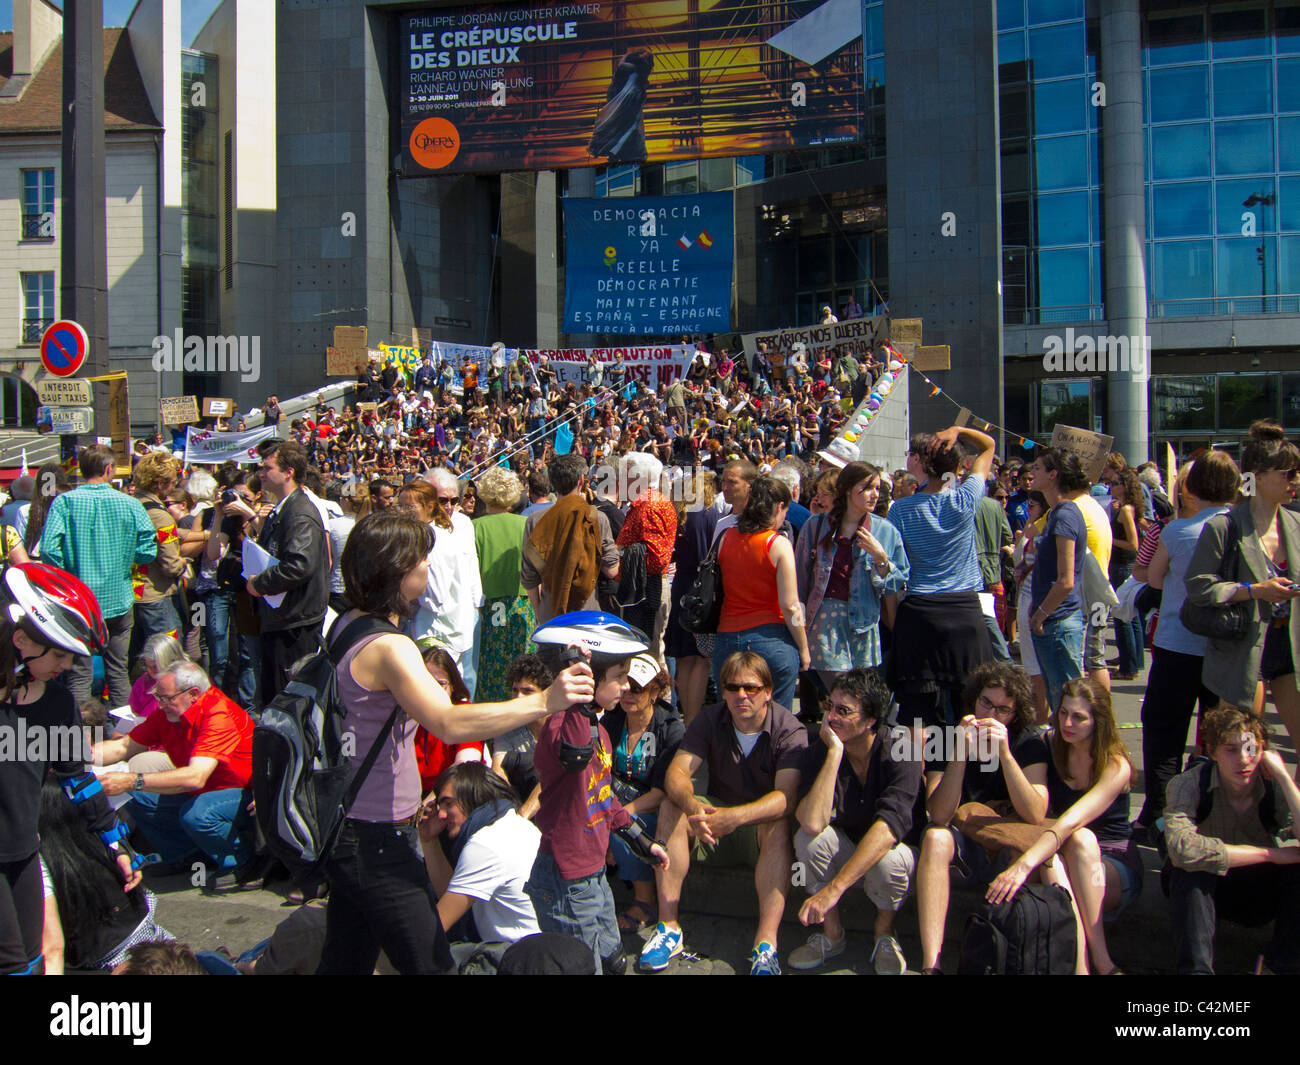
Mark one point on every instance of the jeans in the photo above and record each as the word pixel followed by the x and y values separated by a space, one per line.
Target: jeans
pixel 115 665
pixel 1128 634
pixel 1001 653
pixel 249 670
pixel 582 908
pixel 774 645
pixel 214 822
pixel 380 899
pixel 216 630
pixel 153 618
pixel 1173 689
pixel 1251 895
pixel 1060 654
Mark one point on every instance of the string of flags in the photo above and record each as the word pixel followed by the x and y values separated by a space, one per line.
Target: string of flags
pixel 936 389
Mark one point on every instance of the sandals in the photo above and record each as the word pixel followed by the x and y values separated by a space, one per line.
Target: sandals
pixel 629 921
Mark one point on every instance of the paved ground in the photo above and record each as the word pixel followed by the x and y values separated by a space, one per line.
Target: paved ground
pixel 719 907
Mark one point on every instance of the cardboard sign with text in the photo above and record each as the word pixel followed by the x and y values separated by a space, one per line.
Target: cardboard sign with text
pixel 933 357
pixel 119 423
pixel 344 362
pixel 350 336
pixel 218 408
pixel 179 410
pixel 1092 448
pixel 905 330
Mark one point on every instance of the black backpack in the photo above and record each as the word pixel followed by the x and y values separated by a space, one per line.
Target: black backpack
pixel 303 779
pixel 1032 934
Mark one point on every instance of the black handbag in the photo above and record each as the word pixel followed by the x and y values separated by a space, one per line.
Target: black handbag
pixel 1232 620
pixel 702 605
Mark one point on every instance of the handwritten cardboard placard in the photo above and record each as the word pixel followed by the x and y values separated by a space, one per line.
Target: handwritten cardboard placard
pixel 1092 448
pixel 179 410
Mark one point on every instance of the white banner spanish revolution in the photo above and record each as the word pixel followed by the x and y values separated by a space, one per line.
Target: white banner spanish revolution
pixel 211 448
pixel 653 365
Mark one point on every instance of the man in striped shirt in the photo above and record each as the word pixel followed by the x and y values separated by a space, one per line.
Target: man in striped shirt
pixel 97 533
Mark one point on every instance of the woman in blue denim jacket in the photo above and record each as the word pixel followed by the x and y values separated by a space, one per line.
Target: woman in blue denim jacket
pixel 847 561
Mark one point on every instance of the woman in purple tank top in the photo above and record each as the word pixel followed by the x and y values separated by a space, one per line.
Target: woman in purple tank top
pixel 380 895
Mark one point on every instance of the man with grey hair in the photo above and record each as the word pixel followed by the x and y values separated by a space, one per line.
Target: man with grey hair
pixel 15 511
pixel 455 584
pixel 790 475
pixel 199 809
pixel 652 525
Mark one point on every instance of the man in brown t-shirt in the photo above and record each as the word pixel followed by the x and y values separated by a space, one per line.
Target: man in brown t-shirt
pixel 752 748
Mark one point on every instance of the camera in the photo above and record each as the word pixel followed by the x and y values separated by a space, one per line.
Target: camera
pixel 229 495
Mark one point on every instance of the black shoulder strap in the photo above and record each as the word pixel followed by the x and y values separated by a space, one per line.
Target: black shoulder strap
pixel 152 504
pixel 355 631
pixel 1206 801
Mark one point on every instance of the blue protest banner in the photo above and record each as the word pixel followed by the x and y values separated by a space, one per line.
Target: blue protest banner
pixel 648 265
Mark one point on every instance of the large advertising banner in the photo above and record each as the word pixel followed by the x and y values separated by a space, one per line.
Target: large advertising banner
pixel 648 265
pixel 544 86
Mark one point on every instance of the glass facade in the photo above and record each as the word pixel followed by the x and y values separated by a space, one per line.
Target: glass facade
pixel 1223 158
pixel 1051 204
pixel 1192 411
pixel 200 259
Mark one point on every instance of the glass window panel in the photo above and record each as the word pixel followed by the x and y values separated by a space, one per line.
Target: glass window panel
pixel 1288 281
pixel 1288 84
pixel 681 177
pixel 1184 403
pixel 1094 159
pixel 750 168
pixel 1057 51
pixel 1244 398
pixel 1180 210
pixel 1063 278
pixel 815 262
pixel 1288 204
pixel 1067 402
pixel 1179 93
pixel 1015 168
pixel 1011 13
pixel 1180 151
pixel 1060 106
pixel 1063 218
pixel 1288 133
pixel 1184 270
pixel 1243 147
pixel 1240 271
pixel 1286 27
pixel 852 257
pixel 1230 199
pixel 1054 10
pixel 1015 222
pixel 1243 88
pixel 717 174
pixel 1011 47
pixel 1176 40
pixel 1238 33
pixel 1061 162
pixel 873 37
pixel 1291 400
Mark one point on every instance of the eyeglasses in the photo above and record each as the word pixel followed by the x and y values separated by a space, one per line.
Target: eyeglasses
pixel 990 706
pixel 743 689
pixel 841 710
pixel 451 501
pixel 163 697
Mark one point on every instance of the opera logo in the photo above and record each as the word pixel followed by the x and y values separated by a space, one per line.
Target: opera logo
pixel 434 143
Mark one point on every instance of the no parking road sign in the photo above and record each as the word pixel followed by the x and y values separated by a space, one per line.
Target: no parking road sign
pixel 64 346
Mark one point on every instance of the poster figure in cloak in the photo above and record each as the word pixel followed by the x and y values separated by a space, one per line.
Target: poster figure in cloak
pixel 620 126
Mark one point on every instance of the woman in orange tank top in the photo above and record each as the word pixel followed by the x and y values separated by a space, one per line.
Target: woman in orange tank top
pixel 760 607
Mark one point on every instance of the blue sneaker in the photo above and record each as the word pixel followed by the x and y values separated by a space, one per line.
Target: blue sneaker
pixel 660 949
pixel 763 962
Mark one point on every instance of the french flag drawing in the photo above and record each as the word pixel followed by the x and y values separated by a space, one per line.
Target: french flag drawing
pixel 684 242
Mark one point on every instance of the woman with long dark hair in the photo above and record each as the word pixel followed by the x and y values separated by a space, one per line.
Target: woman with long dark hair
pixel 848 562
pixel 1128 515
pixel 100 922
pixel 51 480
pixel 380 895
pixel 50 617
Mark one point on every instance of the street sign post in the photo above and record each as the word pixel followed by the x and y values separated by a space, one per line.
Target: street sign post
pixel 64 346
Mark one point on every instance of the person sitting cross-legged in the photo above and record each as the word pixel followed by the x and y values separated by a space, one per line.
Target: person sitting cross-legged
pixel 1224 823
pixel 202 804
pixel 752 748
pixel 855 820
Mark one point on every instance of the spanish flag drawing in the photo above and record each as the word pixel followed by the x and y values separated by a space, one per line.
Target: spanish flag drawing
pixel 704 240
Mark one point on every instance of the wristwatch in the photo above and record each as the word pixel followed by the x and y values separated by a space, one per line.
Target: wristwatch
pixel 139 782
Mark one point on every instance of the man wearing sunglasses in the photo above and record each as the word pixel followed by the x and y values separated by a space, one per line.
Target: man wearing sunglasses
pixel 753 748
pixel 856 821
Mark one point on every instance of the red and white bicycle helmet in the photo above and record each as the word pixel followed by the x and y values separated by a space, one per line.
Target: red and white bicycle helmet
pixel 59 605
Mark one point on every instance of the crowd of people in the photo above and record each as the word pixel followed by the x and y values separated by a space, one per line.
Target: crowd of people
pixel 855 714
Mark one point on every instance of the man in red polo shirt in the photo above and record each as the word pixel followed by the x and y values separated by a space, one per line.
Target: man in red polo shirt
pixel 201 805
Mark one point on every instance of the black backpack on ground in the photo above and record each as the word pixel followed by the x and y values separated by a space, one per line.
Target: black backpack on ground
pixel 1032 934
pixel 303 779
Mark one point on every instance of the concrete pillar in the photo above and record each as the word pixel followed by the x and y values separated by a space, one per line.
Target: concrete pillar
pixel 1123 191
pixel 545 220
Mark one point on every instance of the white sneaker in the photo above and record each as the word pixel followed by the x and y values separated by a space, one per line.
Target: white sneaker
pixel 816 952
pixel 887 959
